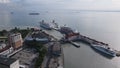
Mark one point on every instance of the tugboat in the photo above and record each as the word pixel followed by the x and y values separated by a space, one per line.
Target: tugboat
pixel 104 49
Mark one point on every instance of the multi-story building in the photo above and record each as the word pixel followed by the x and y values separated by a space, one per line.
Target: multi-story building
pixel 3 38
pixel 15 40
pixel 9 63
pixel 5 49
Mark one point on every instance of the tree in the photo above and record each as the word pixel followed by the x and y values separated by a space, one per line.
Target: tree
pixel 3 32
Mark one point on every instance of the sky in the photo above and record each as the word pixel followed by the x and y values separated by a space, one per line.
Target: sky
pixel 73 4
pixel 82 4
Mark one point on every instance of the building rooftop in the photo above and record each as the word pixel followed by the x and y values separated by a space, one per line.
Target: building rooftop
pixel 3 37
pixel 15 34
pixel 6 61
pixel 26 57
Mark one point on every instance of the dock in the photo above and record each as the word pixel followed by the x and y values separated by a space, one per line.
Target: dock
pixel 84 39
pixel 69 38
pixel 91 41
pixel 54 57
pixel 74 44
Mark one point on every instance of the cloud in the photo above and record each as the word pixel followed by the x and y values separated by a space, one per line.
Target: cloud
pixel 77 4
pixel 4 1
pixel 90 4
pixel 72 4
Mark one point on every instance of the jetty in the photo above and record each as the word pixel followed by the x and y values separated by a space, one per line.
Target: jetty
pixel 74 44
pixel 91 41
pixel 70 35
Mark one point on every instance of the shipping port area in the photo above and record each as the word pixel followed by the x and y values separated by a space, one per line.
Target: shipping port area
pixel 70 36
pixel 37 49
pixel 24 55
pixel 54 56
pixel 43 47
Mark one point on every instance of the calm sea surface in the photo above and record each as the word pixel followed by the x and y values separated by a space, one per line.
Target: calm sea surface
pixel 102 26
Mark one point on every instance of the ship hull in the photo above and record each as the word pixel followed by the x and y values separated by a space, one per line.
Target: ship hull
pixel 103 50
pixel 46 27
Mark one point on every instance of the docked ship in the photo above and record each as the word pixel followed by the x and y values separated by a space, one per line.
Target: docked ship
pixel 72 36
pixel 48 26
pixel 45 25
pixel 65 30
pixel 69 34
pixel 104 49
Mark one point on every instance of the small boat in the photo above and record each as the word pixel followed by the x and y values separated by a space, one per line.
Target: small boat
pixel 45 25
pixel 104 49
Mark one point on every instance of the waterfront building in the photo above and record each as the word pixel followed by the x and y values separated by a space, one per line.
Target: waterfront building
pixel 39 36
pixel 15 40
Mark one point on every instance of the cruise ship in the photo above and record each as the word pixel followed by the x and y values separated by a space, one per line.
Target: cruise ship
pixel 48 26
pixel 45 25
pixel 104 49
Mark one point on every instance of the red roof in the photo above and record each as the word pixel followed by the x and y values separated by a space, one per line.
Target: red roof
pixel 72 34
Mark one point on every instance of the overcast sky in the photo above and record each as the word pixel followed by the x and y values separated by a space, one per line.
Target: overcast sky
pixel 74 4
pixel 82 4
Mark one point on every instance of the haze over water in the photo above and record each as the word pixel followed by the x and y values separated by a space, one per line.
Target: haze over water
pixel 100 25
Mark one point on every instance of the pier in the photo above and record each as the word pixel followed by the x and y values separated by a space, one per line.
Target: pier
pixel 71 36
pixel 74 44
pixel 91 41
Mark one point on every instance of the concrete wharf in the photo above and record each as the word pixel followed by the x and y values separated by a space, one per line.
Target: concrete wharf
pixel 91 41
pixel 55 56
pixel 74 44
